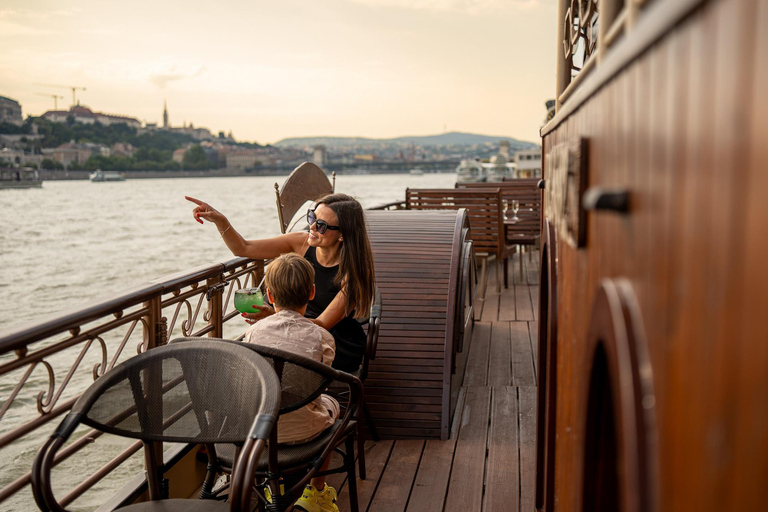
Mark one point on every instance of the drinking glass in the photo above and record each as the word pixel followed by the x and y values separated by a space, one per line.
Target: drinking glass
pixel 246 298
pixel 515 209
pixel 505 207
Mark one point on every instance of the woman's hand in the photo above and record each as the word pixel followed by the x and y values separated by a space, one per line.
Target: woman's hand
pixel 261 313
pixel 207 212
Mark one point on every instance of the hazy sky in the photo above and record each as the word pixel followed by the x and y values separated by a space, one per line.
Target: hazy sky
pixel 273 69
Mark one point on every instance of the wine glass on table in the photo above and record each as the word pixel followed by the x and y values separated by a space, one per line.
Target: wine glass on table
pixel 505 207
pixel 515 209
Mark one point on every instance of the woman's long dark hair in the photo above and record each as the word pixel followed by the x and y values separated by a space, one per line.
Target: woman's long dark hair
pixel 356 257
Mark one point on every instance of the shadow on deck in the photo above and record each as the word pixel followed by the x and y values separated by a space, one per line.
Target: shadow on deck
pixel 488 464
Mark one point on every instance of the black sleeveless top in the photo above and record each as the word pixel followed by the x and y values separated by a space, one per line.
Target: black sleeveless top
pixel 348 334
pixel 325 287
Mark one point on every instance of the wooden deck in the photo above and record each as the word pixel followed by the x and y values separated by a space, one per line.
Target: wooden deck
pixel 489 462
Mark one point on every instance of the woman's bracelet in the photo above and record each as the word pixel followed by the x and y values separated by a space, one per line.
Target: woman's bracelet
pixel 222 232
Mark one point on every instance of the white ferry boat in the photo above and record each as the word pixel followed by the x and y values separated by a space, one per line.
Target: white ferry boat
pixel 470 171
pixel 498 169
pixel 100 175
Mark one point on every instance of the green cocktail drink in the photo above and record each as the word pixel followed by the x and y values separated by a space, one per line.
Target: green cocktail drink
pixel 246 298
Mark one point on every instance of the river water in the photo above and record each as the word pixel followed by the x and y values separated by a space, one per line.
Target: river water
pixel 74 241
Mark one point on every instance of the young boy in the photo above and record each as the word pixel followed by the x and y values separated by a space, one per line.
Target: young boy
pixel 290 286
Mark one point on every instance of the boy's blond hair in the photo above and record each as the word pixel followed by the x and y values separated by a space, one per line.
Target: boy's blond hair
pixel 289 279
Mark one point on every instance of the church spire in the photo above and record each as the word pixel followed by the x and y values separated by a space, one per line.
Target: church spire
pixel 165 114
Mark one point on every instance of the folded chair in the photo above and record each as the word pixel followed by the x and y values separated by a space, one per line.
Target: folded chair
pixel 286 469
pixel 307 182
pixel 195 392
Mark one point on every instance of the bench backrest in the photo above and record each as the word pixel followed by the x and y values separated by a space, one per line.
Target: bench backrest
pixel 483 206
pixel 411 389
pixel 526 191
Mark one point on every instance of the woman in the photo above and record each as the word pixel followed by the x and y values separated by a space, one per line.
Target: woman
pixel 337 246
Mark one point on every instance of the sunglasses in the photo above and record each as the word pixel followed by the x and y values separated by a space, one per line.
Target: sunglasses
pixel 320 225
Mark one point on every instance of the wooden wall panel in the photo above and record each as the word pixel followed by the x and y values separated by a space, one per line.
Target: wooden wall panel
pixel 684 129
pixel 750 397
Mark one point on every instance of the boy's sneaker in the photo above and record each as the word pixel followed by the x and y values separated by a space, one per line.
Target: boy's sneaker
pixel 268 493
pixel 314 500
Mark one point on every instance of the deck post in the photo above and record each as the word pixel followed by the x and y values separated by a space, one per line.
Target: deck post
pixel 563 62
pixel 215 306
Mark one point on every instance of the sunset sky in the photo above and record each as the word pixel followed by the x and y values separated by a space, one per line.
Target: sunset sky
pixel 273 69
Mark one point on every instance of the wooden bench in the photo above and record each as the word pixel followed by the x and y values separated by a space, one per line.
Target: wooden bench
pixel 412 385
pixel 485 219
pixel 527 231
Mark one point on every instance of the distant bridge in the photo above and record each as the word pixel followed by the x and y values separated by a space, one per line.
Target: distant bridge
pixel 373 167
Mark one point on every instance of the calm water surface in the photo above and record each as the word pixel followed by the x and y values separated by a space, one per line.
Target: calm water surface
pixel 71 242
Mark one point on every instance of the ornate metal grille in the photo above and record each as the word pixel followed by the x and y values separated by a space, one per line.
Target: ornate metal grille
pixel 580 30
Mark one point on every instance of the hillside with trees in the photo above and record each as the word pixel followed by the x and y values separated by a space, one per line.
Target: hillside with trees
pixel 154 149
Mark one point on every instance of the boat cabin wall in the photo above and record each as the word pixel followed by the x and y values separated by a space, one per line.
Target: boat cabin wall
pixel 679 131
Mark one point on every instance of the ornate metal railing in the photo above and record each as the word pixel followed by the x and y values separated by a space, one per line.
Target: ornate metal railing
pixel 45 366
pixel 599 38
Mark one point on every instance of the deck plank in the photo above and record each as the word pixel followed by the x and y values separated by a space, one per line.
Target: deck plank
pixel 514 269
pixel 527 406
pixel 499 367
pixel 522 358
pixel 431 484
pixel 533 331
pixel 476 373
pixel 532 268
pixel 502 479
pixel 491 307
pixel 392 493
pixel 507 305
pixel 465 490
pixel 376 457
pixel 523 305
pixel 534 289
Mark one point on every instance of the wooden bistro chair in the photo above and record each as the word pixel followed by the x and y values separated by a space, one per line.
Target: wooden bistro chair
pixel 307 182
pixel 528 195
pixel 292 466
pixel 197 392
pixel 485 220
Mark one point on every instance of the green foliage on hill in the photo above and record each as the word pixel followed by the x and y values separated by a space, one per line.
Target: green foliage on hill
pixel 196 158
pixel 55 134
pixel 154 149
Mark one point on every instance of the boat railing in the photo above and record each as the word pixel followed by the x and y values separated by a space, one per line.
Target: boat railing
pixel 599 38
pixel 52 361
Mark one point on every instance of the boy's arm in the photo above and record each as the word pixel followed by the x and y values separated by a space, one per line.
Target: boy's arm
pixel 329 348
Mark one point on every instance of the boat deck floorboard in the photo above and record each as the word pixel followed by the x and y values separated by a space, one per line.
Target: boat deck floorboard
pixel 488 464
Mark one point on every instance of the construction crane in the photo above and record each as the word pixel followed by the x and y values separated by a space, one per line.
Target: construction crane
pixel 55 97
pixel 73 87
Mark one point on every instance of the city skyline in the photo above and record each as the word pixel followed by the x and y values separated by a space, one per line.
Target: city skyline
pixel 369 68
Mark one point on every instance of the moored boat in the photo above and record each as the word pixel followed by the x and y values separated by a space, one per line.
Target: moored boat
pixel 470 171
pixel 20 178
pixel 497 169
pixel 100 175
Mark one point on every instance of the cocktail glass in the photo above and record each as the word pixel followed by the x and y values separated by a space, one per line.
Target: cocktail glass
pixel 246 298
